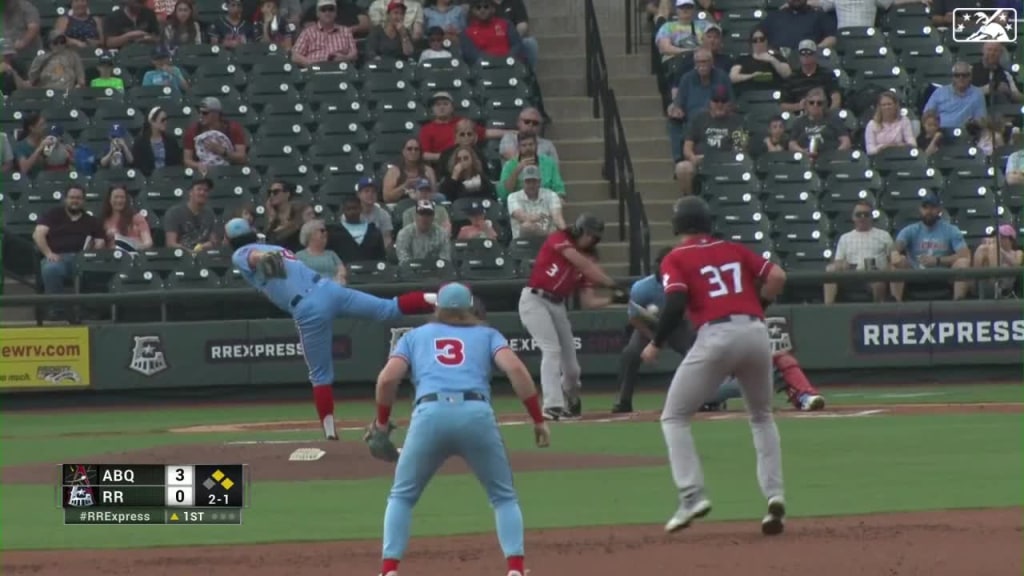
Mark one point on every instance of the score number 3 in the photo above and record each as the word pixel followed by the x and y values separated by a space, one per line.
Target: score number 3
pixel 716 276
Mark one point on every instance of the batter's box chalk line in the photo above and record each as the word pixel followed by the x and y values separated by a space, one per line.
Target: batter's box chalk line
pixel 306 455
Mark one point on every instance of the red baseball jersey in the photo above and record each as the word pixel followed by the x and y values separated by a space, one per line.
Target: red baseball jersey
pixel 552 272
pixel 719 277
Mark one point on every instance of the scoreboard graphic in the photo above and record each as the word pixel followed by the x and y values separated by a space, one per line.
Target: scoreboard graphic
pixel 153 494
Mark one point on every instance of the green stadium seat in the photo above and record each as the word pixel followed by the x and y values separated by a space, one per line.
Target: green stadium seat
pixel 135 58
pixel 165 260
pixel 426 271
pixel 720 195
pixel 285 129
pixel 144 98
pixel 95 269
pixel 502 110
pixel 371 272
pixel 326 156
pixel 111 112
pixel 273 150
pixel 303 176
pixel 35 98
pixel 130 178
pixel 136 280
pixel 301 114
pixel 335 187
pixel 192 57
pixel 525 248
pixel 345 112
pixel 263 92
pixel 476 248
pixel 14 186
pixel 489 267
pixel 850 40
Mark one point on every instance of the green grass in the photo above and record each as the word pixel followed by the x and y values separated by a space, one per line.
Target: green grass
pixel 832 467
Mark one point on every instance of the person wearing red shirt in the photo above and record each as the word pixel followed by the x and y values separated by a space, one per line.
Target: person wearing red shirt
pixel 723 287
pixel 438 135
pixel 489 35
pixel 562 263
pixel 230 147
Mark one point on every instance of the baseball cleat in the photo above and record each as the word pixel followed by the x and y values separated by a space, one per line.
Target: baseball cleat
pixel 515 573
pixel 773 522
pixel 812 402
pixel 622 408
pixel 693 507
pixel 575 409
pixel 332 436
pixel 554 414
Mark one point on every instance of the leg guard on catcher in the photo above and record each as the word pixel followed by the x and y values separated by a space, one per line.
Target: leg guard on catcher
pixel 412 303
pixel 791 378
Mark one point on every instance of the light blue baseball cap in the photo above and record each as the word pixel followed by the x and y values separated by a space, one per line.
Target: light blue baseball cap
pixel 454 295
pixel 237 227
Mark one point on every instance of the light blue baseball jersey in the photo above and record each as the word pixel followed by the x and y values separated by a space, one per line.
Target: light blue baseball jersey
pixel 280 291
pixel 445 358
pixel 646 291
pixel 942 239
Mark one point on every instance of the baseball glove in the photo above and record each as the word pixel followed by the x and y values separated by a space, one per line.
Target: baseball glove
pixel 379 441
pixel 272 265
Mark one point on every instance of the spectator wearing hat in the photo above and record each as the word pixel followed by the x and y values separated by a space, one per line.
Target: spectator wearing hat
pixel 314 237
pixel 535 211
pixel 423 239
pixel 60 69
pixel 529 122
pixel 692 96
pixel 479 226
pixel 192 225
pixel 214 140
pixel 863 248
pixel 371 211
pixel 182 28
pixel 349 13
pixel 82 29
pixel 357 238
pixel 1014 170
pixel 435 45
pixel 715 129
pixel 712 42
pixel 810 75
pixel 118 154
pixel 21 27
pixel 41 147
pixel 999 251
pixel 132 24
pixel 818 131
pixel 515 12
pixel 488 35
pixel 155 147
pixel 511 178
pixel 106 78
pixel 466 177
pixel 677 40
pixel 412 14
pixel 391 38
pixel 424 190
pixel 797 21
pixel 762 69
pixel 164 73
pixel 931 243
pixel 438 135
pixel 448 15
pixel 233 28
pixel 326 40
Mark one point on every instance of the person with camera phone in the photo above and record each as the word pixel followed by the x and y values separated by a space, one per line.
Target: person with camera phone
pixel 119 154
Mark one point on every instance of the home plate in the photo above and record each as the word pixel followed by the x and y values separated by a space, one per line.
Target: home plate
pixel 306 455
pixel 254 442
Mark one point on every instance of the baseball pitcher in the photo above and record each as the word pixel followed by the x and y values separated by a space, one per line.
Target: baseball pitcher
pixel 314 302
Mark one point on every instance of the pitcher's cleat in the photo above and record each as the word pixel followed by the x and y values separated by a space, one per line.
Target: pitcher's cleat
pixel 693 507
pixel 774 522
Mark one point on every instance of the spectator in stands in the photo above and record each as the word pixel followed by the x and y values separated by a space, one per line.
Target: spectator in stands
pixel 487 35
pixel 60 69
pixel 515 12
pixel 712 42
pixel 155 147
pixel 350 14
pixel 692 95
pixel 534 211
pixel 423 239
pixel 276 27
pixel 435 45
pixel 359 238
pixel 788 26
pixel 810 75
pixel 816 124
pixel 214 140
pixel 162 8
pixel 106 78
pixel 284 216
pixel 763 69
pixel 325 41
pixel 6 154
pixel 118 154
pixel 371 212
pixel 316 255
pixel 423 189
pixel 995 82
pixel 942 11
pixel 447 15
pixel 512 171
pixel 889 127
pixel 390 38
pixel 164 73
pixel 233 28
pixel 467 177
pixel 192 225
pixel 406 171
pixel 529 122
pixel 466 132
pixel 379 11
pixel 930 138
pixel 714 129
pixel 931 243
pixel 438 135
pixel 858 13
pixel 1015 168
pixel 82 29
pixel 126 227
pixel 11 77
pixel 999 251
pixel 21 27
pixel 983 135
pixel 62 232
pixel 182 27
pixel 679 38
pixel 957 102
pixel 40 147
pixel 863 248
pixel 132 24
pixel 479 226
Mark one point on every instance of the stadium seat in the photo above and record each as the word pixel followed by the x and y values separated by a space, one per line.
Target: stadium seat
pixel 135 58
pixel 852 39
pixel 813 258
pixel 109 112
pixel 193 278
pixel 35 98
pixel 799 224
pixel 95 269
pixel 487 267
pixel 476 248
pixel 741 214
pixel 525 248
pixel 905 16
pixel 371 272
pixel 889 159
pixel 766 162
pixel 918 38
pixel 303 176
pixel 272 151
pixel 301 114
pixel 13 187
pixel 263 92
pixel 226 72
pixel 719 195
pixel 493 210
pixel 144 98
pixel 958 156
pixel 261 59
pixel 136 279
pixel 502 110
pixel 426 271
pixel 163 261
pixel 130 178
pixel 843 223
pixel 192 57
pixel 73 121
pixel 342 129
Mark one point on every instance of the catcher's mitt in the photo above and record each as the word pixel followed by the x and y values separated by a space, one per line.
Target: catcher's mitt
pixel 379 441
pixel 272 265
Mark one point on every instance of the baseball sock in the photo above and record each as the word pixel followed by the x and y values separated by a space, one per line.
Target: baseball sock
pixel 323 397
pixel 516 563
pixel 388 565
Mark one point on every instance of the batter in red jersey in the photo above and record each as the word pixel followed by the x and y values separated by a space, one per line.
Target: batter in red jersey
pixel 723 287
pixel 560 268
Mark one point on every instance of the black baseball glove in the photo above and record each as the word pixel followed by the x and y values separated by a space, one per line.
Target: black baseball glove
pixel 271 265
pixel 379 441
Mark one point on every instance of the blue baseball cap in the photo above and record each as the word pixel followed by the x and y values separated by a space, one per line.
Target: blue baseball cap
pixel 366 182
pixel 237 227
pixel 931 200
pixel 118 131
pixel 454 296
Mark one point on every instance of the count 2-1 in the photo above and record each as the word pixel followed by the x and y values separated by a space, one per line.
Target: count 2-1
pixel 221 500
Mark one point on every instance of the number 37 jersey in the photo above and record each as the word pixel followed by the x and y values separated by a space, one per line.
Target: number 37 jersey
pixel 444 358
pixel 719 278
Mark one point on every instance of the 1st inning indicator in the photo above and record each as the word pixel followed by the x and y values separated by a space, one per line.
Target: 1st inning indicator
pixel 148 485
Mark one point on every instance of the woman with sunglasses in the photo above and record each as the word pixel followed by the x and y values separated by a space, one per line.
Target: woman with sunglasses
pixel 155 148
pixel 762 69
pixel 409 168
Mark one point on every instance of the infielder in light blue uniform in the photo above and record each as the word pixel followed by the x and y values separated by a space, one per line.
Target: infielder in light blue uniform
pixel 314 302
pixel 451 361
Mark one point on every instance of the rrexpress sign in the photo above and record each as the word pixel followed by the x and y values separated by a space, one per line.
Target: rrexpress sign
pixel 939 331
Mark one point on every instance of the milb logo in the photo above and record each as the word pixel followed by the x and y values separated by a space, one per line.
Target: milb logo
pixel 991 331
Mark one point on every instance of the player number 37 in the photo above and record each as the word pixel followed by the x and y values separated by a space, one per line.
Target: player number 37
pixel 724 280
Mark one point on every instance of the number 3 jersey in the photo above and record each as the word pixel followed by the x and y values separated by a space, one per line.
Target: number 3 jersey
pixel 552 272
pixel 719 278
pixel 445 358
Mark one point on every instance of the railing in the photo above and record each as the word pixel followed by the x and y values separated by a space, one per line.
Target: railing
pixel 618 166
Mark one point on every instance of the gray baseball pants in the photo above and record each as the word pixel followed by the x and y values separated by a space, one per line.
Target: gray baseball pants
pixel 548 324
pixel 740 347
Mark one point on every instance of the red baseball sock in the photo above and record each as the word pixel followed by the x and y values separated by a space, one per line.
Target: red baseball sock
pixel 516 563
pixel 323 397
pixel 388 565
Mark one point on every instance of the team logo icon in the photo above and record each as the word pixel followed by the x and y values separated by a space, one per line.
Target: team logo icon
pixel 396 335
pixel 148 356
pixel 975 25
pixel 78 481
pixel 778 334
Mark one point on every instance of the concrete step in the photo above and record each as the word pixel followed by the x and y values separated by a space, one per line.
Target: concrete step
pixel 575 129
pixel 616 269
pixel 561 43
pixel 552 25
pixel 648 169
pixel 651 126
pixel 659 230
pixel 551 65
pixel 561 87
pixel 568 108
pixel 638 106
pixel 637 83
pixel 588 191
pixel 651 148
pixel 575 170
pixel 657 190
pixel 589 149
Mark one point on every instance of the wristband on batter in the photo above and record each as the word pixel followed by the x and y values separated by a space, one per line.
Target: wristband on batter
pixel 533 408
pixel 383 414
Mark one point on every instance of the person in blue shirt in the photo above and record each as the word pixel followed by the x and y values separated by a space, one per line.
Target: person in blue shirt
pixel 931 243
pixel 164 73
pixel 314 302
pixel 958 102
pixel 450 360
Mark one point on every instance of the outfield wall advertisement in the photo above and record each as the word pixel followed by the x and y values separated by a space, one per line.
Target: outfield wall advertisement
pixel 56 357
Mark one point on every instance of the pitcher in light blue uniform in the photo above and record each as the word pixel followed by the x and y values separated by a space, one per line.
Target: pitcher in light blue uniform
pixel 451 360
pixel 314 302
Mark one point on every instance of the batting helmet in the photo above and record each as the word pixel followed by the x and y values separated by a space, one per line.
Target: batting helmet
pixel 588 224
pixel 692 216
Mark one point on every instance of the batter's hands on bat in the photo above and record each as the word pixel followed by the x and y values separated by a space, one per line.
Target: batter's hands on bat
pixel 379 440
pixel 271 265
pixel 650 353
pixel 542 435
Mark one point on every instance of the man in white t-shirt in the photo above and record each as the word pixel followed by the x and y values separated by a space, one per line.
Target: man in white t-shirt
pixel 534 211
pixel 863 248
